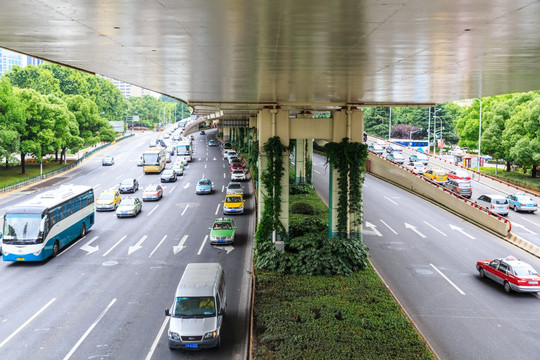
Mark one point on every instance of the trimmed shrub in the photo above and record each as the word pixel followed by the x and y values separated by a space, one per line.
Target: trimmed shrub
pixel 299 188
pixel 307 225
pixel 302 208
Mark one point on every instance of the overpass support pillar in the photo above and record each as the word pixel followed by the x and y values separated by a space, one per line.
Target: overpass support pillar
pixel 226 134
pixel 347 124
pixel 303 161
pixel 270 123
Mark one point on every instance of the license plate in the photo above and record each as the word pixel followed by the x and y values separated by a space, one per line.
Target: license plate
pixel 21 259
pixel 533 282
pixel 192 346
pixel 220 241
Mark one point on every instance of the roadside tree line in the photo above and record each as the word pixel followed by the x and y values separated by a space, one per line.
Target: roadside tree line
pixel 50 109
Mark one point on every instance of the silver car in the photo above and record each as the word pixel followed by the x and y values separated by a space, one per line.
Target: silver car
pixel 235 188
pixel 238 175
pixel 496 204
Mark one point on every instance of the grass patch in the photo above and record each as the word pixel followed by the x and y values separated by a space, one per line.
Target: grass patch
pixel 311 198
pixel 12 175
pixel 317 317
pixel 515 177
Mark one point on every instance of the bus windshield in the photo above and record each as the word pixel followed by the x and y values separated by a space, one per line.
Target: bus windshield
pixel 21 227
pixel 151 159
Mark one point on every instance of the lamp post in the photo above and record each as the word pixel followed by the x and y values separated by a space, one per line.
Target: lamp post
pixel 412 132
pixel 435 130
pixel 389 124
pixel 479 133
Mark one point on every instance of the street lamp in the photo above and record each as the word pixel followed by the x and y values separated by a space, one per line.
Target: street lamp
pixel 435 131
pixel 412 132
pixel 479 133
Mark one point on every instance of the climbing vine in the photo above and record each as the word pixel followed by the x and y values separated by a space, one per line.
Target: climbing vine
pixel 348 158
pixel 253 157
pixel 271 179
pixel 309 163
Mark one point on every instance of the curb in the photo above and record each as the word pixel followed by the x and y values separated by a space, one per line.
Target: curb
pixel 523 244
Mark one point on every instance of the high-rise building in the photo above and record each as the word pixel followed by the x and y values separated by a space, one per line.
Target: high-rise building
pixel 8 59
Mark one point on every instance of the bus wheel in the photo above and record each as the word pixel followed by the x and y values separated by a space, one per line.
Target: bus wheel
pixel 55 249
pixel 83 230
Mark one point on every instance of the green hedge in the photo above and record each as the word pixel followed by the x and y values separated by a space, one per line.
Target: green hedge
pixel 315 317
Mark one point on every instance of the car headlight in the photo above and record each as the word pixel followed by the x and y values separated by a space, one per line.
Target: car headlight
pixel 210 335
pixel 174 336
pixel 230 238
pixel 36 253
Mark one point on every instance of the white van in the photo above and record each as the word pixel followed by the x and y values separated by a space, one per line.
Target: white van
pixel 198 307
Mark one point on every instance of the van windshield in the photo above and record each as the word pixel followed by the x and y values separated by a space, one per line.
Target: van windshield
pixel 195 306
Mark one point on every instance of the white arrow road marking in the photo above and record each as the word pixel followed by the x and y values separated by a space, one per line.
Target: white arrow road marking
pixel 387 198
pixel 447 279
pixel 180 246
pixel 88 248
pixel 434 228
pixel 413 228
pixel 453 227
pixel 373 228
pixel 388 226
pixel 186 186
pixel 137 246
pixel 202 245
pixel 522 227
pixel 227 248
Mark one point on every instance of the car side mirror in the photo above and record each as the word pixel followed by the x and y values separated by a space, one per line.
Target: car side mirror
pixel 167 313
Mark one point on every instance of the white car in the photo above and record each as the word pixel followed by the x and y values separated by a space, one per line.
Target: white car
pixel 238 175
pixel 416 167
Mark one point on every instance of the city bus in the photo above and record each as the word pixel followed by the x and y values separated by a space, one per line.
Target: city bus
pixel 154 160
pixel 38 228
pixel 418 145
pixel 184 149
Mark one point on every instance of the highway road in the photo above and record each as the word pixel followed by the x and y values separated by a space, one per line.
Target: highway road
pixel 427 257
pixel 104 297
pixel 524 224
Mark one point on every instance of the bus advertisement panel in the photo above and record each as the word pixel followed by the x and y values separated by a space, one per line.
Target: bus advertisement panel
pixel 184 149
pixel 154 160
pixel 38 228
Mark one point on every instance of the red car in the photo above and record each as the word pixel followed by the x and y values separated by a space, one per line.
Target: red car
pixel 237 166
pixel 459 175
pixel 511 273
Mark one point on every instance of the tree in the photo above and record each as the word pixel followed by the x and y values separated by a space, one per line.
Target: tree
pixel 37 133
pixel 86 115
pixel 70 81
pixel 34 77
pixel 10 121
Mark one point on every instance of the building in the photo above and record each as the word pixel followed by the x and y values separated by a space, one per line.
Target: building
pixel 8 59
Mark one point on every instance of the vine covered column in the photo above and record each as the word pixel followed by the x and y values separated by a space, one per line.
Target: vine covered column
pixel 300 161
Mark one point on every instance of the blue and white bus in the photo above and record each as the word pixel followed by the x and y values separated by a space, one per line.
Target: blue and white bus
pixel 418 145
pixel 40 227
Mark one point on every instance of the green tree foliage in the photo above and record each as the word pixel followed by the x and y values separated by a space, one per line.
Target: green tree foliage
pixel 147 108
pixel 71 82
pixel 10 121
pixel 34 77
pixel 87 117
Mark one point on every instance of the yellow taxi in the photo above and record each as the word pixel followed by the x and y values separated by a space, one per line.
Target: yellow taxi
pixel 108 200
pixel 436 175
pixel 233 204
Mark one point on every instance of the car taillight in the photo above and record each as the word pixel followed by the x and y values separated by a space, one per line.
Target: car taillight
pixel 492 206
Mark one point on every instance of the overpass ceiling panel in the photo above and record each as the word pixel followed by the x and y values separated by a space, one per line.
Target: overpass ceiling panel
pixel 289 51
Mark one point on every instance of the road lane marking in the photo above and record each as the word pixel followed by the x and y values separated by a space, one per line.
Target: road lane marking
pixel 532 222
pixel 157 246
pixel 217 209
pixel 88 248
pixel 150 213
pixel 222 188
pixel 447 279
pixel 183 212
pixel 74 348
pixel 91 179
pixel 115 245
pixel 224 175
pixel 434 228
pixel 170 192
pixel 453 227
pixel 186 186
pixel 156 340
pixel 180 246
pixel 6 340
pixel 387 198
pixel 413 228
pixel 137 246
pixel 202 245
pixel 388 226
pixel 318 172
pixel 523 227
